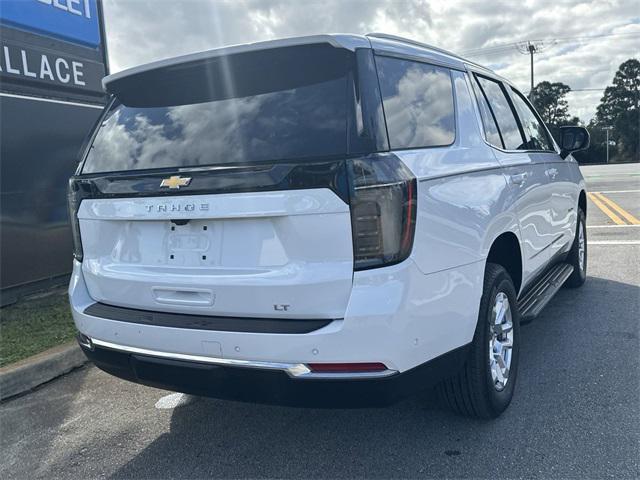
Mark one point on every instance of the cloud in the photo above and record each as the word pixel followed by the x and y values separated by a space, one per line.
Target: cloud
pixel 140 31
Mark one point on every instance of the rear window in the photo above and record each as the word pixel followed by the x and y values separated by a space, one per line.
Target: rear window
pixel 273 105
pixel 418 103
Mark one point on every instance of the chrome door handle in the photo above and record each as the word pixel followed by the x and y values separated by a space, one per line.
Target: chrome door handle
pixel 519 178
pixel 551 172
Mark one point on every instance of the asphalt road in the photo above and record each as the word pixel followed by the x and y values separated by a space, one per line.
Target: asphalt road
pixel 613 187
pixel 576 412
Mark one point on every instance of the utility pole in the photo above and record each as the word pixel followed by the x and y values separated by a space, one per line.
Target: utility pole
pixel 532 49
pixel 529 48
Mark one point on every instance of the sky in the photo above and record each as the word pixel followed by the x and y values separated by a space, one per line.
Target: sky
pixel 141 31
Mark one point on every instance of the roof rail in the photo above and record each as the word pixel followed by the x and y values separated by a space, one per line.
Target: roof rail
pixel 414 42
pixel 424 45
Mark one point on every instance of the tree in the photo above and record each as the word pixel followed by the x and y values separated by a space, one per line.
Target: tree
pixel 620 108
pixel 550 102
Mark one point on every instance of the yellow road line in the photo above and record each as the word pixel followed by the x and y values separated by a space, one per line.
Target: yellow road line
pixel 606 210
pixel 618 209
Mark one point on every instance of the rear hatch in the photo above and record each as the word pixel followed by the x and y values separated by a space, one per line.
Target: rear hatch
pixel 219 187
pixel 257 254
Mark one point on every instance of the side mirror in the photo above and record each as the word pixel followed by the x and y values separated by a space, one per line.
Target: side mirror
pixel 573 139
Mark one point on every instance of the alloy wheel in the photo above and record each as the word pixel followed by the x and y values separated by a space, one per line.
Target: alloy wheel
pixel 581 247
pixel 500 341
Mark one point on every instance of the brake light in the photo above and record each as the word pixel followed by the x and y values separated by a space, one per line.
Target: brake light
pixel 383 210
pixel 75 194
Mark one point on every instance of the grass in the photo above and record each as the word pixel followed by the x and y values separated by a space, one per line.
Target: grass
pixel 34 325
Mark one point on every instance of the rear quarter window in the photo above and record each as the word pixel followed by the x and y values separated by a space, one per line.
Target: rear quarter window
pixel 418 103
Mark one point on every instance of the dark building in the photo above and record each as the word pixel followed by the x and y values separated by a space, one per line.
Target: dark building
pixel 52 60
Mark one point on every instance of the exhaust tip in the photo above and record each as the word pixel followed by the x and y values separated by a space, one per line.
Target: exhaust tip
pixel 84 341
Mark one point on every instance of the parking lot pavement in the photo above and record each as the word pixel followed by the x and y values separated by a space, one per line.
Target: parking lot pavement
pixel 613 212
pixel 575 414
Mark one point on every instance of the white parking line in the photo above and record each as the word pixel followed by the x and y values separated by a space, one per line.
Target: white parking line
pixel 614 242
pixel 619 191
pixel 613 226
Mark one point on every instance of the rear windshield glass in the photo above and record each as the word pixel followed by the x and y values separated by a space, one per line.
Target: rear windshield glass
pixel 271 106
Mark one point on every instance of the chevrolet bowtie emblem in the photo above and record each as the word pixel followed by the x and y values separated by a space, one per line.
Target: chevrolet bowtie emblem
pixel 175 182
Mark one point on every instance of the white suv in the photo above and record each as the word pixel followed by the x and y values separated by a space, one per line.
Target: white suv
pixel 329 220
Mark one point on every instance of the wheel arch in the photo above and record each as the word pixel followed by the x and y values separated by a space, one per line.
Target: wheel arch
pixel 582 201
pixel 505 251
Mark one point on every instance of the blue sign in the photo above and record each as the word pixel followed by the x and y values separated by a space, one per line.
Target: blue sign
pixel 75 21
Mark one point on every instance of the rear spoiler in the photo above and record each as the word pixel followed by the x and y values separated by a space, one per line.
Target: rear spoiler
pixel 120 81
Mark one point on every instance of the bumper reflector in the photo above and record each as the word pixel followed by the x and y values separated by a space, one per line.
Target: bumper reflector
pixel 346 367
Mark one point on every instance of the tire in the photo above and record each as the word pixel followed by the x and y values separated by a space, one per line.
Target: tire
pixel 579 274
pixel 474 391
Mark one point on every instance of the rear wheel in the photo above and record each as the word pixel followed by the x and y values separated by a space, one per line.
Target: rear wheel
pixel 577 257
pixel 485 385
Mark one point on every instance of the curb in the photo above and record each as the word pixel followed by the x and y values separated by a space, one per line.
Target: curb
pixel 34 371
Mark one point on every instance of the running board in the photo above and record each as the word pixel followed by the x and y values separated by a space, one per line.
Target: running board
pixel 537 297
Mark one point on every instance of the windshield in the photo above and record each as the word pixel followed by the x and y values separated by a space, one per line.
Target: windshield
pixel 296 109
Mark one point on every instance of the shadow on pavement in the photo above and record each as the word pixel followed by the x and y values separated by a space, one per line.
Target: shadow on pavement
pixel 572 416
pixel 210 438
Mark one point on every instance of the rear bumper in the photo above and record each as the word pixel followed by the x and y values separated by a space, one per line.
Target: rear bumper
pixel 270 384
pixel 414 324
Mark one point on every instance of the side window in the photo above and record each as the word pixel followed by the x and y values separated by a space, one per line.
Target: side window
pixel 503 113
pixel 535 133
pixel 491 132
pixel 418 103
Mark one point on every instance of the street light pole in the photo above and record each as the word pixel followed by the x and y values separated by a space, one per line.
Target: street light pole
pixel 606 129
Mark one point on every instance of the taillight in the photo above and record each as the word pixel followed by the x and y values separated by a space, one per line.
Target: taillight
pixel 75 194
pixel 383 210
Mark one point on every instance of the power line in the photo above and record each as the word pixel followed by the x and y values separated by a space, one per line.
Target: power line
pixel 501 48
pixel 530 48
pixel 581 90
pixel 489 50
pixel 586 37
pixel 507 46
pixel 587 90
